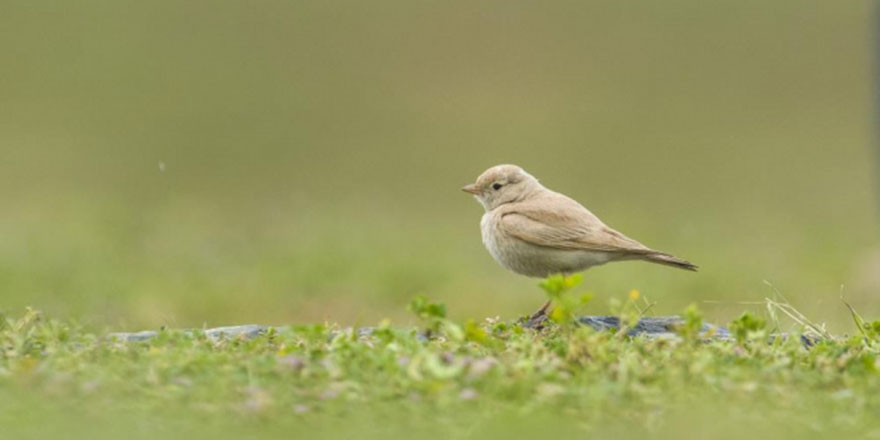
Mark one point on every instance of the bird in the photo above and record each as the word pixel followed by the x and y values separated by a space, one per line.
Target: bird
pixel 534 231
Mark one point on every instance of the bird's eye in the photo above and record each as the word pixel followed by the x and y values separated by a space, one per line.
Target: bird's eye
pixel 496 186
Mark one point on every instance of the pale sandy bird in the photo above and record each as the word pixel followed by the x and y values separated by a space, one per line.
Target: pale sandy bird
pixel 537 232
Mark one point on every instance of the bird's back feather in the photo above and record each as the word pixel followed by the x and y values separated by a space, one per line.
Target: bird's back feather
pixel 553 220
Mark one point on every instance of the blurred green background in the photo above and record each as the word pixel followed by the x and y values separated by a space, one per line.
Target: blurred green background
pixel 218 162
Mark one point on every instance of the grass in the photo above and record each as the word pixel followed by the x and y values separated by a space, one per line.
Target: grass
pixel 468 380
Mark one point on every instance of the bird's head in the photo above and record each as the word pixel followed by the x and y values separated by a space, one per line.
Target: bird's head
pixel 502 184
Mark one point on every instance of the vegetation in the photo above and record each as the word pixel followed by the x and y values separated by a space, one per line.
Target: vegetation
pixel 462 381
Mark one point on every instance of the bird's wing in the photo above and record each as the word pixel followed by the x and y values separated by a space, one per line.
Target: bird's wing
pixel 573 228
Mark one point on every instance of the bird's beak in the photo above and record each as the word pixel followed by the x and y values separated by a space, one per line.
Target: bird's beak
pixel 471 189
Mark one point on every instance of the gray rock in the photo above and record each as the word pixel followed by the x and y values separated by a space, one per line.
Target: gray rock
pixel 660 327
pixel 134 337
pixel 651 327
pixel 248 331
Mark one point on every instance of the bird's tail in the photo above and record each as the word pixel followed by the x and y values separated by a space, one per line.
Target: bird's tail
pixel 670 260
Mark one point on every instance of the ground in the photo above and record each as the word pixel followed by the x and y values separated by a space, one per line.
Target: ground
pixel 468 380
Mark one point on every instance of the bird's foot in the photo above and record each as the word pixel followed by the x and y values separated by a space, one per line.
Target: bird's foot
pixel 536 321
pixel 539 319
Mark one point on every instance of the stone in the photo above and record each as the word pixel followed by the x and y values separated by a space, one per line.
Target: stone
pixel 658 327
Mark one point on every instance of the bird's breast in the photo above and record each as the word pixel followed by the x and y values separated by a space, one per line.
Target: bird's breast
pixel 490 232
pixel 528 259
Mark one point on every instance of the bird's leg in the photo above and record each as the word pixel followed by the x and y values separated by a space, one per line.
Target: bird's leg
pixel 536 321
pixel 542 310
